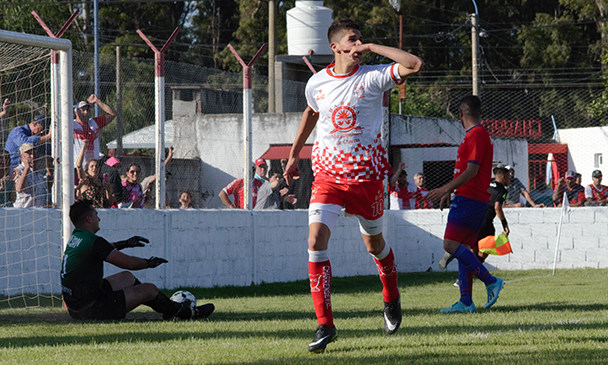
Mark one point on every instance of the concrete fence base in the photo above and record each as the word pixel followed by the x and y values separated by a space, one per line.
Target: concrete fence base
pixel 207 248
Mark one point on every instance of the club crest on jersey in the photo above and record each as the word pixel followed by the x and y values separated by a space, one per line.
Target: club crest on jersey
pixel 344 118
pixel 360 90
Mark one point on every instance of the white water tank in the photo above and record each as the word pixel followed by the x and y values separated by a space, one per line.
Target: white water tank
pixel 307 26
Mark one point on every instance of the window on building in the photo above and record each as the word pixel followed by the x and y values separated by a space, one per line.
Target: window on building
pixel 598 160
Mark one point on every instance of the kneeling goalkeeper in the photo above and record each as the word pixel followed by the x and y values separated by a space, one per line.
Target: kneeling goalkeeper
pixel 88 295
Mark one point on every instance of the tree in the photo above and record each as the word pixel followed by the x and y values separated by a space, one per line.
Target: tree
pixel 213 23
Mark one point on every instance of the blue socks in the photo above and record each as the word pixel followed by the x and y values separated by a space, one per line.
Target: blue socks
pixel 468 263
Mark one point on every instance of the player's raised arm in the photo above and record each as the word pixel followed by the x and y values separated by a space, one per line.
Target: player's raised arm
pixel 409 64
pixel 307 124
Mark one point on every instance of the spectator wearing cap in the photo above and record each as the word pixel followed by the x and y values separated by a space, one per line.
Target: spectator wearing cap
pixel 88 127
pixel 596 193
pixel 274 193
pixel 575 193
pixel 402 194
pixel 515 190
pixel 235 188
pixel 29 133
pixel 31 186
pixel 542 194
pixel 111 169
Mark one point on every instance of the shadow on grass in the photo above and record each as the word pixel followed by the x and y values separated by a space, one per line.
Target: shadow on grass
pixel 341 285
pixel 198 332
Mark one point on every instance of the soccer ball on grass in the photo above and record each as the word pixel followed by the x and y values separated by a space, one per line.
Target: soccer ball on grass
pixel 183 295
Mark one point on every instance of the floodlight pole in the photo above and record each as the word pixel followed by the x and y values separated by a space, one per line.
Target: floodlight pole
pixel 247 123
pixel 55 85
pixel 475 49
pixel 159 87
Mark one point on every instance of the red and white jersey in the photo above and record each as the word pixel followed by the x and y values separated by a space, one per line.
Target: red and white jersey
pixel 90 131
pixel 403 197
pixel 235 188
pixel 595 193
pixel 421 202
pixel 348 147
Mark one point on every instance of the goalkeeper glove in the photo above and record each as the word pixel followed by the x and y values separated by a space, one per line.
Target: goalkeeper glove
pixel 155 261
pixel 135 241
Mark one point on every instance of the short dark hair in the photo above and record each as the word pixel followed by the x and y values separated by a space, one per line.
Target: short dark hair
pixel 471 106
pixel 340 26
pixel 501 171
pixel 80 210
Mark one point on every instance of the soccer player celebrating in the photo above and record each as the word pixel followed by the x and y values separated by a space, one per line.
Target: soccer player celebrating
pixel 349 163
pixel 472 174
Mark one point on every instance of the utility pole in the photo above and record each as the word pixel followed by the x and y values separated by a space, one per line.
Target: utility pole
pixel 119 129
pixel 272 13
pixel 475 49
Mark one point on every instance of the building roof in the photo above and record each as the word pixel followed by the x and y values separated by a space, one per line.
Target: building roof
pixel 145 137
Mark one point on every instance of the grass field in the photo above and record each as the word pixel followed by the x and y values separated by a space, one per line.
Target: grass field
pixel 539 319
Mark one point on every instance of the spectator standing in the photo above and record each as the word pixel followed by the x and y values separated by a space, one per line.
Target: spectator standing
pixel 111 168
pixel 349 163
pixel 134 194
pixel 7 187
pixel 596 193
pixel 149 187
pixel 274 192
pixel 575 193
pixel 542 194
pixel 88 295
pixel 30 185
pixel 185 200
pixel 515 190
pixel 29 133
pixel 91 185
pixel 421 192
pixel 4 122
pixel 402 194
pixel 235 188
pixel 88 127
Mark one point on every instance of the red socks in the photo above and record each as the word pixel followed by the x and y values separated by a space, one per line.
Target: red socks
pixel 388 274
pixel 319 274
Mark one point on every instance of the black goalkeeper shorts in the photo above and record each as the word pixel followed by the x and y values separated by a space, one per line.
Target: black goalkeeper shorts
pixel 111 305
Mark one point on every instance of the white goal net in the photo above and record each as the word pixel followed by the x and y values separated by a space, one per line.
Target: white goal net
pixel 30 214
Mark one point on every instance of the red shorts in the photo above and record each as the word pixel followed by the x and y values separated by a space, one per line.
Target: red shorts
pixel 364 199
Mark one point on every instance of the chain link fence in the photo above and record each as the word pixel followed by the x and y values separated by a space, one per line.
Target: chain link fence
pixel 541 131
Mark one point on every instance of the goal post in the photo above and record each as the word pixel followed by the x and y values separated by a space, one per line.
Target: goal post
pixel 22 228
pixel 64 46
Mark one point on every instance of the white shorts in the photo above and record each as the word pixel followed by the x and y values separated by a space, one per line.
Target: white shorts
pixel 328 214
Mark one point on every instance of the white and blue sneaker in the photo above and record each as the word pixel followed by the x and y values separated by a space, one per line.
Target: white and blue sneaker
pixel 459 307
pixel 493 291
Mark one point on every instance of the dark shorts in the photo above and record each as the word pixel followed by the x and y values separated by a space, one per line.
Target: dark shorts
pixel 111 305
pixel 464 220
pixel 486 230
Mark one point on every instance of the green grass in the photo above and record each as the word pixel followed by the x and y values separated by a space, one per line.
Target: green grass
pixel 539 319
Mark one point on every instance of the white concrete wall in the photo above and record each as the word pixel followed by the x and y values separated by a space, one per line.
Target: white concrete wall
pixel 208 248
pixel 583 144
